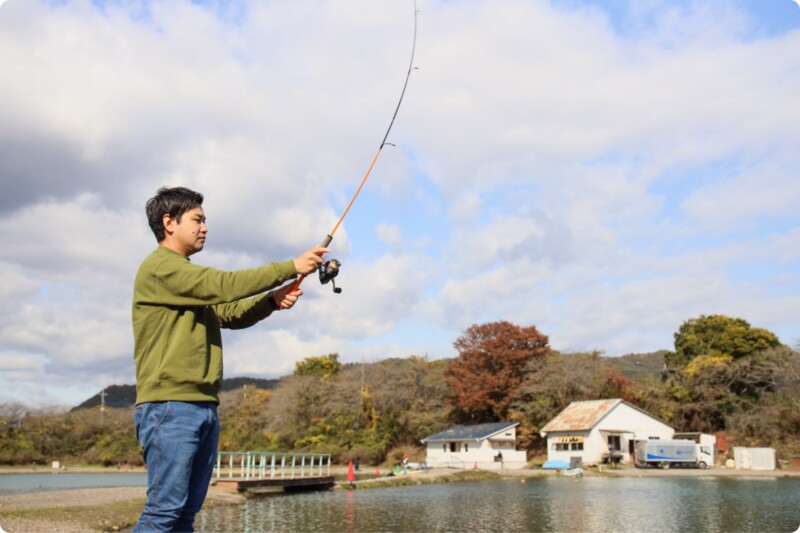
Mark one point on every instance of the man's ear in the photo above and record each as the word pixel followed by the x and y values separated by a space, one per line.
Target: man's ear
pixel 169 224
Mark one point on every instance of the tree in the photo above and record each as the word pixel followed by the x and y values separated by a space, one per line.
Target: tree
pixel 242 420
pixel 721 370
pixel 717 340
pixel 491 366
pixel 323 366
pixel 364 411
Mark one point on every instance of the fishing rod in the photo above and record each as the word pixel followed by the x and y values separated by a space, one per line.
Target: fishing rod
pixel 330 268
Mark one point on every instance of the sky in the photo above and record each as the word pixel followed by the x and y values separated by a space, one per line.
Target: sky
pixel 601 170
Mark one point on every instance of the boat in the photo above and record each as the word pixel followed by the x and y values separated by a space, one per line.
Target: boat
pixel 573 472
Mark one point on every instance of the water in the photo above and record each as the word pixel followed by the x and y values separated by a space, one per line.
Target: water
pixel 591 504
pixel 20 483
pixel 543 504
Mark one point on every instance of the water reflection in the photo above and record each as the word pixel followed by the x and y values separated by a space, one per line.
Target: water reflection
pixel 349 518
pixel 545 504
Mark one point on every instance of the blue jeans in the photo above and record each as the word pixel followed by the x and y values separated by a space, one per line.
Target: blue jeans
pixel 179 442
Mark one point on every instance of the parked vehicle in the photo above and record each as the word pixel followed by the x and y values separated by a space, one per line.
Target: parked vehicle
pixel 668 453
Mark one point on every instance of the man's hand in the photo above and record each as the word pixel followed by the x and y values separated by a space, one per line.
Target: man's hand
pixel 286 297
pixel 309 261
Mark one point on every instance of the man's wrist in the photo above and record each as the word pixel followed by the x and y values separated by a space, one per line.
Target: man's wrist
pixel 272 303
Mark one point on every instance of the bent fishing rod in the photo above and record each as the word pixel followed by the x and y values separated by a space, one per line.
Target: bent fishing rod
pixel 329 269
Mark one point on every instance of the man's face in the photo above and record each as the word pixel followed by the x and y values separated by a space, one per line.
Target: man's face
pixel 188 235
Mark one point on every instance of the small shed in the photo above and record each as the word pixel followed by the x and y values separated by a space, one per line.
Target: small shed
pixel 490 446
pixel 600 431
pixel 754 458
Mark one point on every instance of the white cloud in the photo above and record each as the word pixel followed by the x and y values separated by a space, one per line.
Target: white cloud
pixel 390 235
pixel 602 177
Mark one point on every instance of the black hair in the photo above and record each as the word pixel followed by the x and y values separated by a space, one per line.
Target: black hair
pixel 172 201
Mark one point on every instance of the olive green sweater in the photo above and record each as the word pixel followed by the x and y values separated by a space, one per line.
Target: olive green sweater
pixel 178 309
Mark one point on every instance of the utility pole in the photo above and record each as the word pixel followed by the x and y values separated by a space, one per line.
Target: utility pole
pixel 361 396
pixel 103 407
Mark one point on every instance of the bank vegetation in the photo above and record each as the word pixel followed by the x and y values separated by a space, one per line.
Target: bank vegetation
pixel 723 375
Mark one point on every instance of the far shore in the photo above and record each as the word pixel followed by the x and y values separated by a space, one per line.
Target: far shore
pixel 368 472
pixel 84 469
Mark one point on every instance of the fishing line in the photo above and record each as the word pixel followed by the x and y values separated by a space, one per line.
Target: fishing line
pixel 330 269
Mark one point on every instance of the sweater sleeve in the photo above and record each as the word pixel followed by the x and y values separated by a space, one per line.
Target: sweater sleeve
pixel 176 281
pixel 244 313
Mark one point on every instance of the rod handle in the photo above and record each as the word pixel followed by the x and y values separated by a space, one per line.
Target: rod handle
pixel 324 244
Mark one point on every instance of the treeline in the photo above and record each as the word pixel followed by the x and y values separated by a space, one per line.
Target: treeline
pixel 87 436
pixel 722 376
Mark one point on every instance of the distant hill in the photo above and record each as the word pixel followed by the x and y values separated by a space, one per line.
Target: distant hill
pixel 116 396
pixel 637 366
pixel 125 395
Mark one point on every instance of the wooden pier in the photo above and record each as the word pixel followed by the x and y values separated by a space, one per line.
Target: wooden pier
pixel 276 485
pixel 273 471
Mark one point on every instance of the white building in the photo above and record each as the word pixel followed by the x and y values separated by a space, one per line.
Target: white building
pixel 484 446
pixel 601 431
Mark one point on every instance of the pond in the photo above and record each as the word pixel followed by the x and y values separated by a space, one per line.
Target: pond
pixel 589 504
pixel 539 504
pixel 19 483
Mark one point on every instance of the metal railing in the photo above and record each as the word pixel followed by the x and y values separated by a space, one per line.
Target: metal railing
pixel 273 465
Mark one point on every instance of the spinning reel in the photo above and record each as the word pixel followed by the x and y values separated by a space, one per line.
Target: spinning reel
pixel 329 270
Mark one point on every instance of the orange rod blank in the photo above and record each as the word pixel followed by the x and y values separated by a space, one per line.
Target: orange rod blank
pixel 327 240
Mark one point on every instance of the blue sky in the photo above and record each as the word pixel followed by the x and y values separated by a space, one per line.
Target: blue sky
pixel 603 170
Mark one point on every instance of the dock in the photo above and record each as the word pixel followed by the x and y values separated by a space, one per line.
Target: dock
pixel 258 472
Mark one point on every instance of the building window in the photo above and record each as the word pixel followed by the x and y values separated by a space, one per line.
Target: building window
pixel 444 448
pixel 576 446
pixel 614 443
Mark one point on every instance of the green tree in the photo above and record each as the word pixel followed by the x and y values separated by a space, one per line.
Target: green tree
pixel 323 366
pixel 722 371
pixel 491 366
pixel 717 340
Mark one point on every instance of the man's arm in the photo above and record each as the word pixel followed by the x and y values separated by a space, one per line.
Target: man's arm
pixel 245 313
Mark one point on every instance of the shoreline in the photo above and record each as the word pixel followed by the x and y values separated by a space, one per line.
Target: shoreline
pixel 117 508
pixel 73 470
pixel 367 473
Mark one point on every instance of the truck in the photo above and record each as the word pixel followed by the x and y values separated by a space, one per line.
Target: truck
pixel 667 453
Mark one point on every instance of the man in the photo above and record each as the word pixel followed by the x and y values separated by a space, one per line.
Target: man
pixel 178 309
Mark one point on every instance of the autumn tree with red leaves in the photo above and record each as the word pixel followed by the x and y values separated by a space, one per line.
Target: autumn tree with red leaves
pixel 491 365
